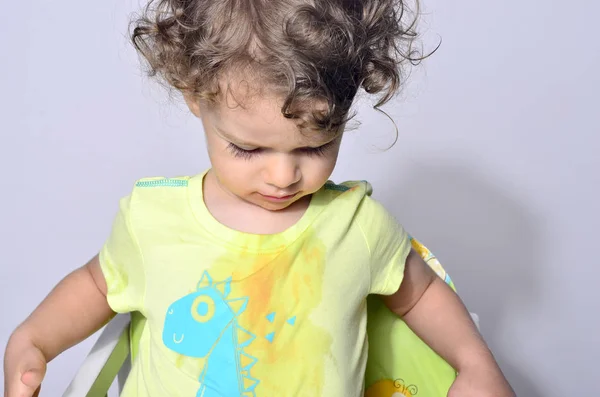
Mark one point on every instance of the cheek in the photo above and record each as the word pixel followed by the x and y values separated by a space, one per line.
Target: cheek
pixel 229 170
pixel 222 160
pixel 233 170
pixel 328 162
pixel 317 171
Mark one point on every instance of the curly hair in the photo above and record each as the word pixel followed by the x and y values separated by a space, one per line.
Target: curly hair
pixel 305 51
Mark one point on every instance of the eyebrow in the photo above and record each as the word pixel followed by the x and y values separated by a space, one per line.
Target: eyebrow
pixel 241 142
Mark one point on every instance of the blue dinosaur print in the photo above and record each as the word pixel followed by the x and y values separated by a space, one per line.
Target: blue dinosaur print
pixel 204 324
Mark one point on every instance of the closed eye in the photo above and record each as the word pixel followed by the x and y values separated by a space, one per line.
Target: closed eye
pixel 242 153
pixel 250 153
pixel 315 151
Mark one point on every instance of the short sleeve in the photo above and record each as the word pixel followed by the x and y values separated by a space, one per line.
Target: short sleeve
pixel 122 264
pixel 388 244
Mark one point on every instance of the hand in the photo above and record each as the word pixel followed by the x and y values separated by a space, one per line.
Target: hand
pixel 24 369
pixel 480 383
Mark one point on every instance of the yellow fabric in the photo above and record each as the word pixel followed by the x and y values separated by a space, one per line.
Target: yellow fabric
pixel 236 314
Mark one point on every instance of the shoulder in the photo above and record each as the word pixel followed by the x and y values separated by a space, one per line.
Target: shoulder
pixel 354 191
pixel 356 195
pixel 152 197
pixel 352 200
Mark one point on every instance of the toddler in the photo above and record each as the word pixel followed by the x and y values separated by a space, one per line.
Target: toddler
pixel 253 275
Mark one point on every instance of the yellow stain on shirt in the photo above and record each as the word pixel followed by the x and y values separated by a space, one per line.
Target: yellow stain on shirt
pixel 284 286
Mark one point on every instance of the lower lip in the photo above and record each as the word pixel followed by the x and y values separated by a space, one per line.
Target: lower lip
pixel 279 199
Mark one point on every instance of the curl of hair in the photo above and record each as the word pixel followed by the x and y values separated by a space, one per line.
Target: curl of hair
pixel 305 51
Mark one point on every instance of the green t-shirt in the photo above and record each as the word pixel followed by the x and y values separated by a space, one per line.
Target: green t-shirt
pixel 235 314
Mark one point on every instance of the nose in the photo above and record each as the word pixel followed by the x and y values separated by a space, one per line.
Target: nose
pixel 282 171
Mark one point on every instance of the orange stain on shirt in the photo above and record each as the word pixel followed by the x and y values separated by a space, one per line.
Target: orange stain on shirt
pixel 283 288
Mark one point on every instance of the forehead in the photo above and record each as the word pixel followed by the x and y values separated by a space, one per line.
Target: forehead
pixel 258 120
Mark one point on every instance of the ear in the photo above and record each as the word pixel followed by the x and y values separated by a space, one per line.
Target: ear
pixel 193 104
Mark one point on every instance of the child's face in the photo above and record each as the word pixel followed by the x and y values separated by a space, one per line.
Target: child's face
pixel 262 157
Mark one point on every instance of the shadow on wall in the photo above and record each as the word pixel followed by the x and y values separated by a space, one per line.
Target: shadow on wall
pixel 485 239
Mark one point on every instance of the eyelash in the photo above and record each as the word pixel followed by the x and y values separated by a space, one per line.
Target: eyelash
pixel 248 154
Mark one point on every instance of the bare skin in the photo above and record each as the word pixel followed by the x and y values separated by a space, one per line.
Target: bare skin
pixel 438 316
pixel 75 309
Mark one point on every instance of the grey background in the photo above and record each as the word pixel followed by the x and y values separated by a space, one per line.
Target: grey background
pixel 496 168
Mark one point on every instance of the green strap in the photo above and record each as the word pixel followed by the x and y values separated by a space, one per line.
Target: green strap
pixel 109 372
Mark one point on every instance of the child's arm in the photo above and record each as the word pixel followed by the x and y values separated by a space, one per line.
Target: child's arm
pixel 75 309
pixel 437 315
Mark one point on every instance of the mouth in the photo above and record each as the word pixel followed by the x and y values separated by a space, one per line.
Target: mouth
pixel 177 340
pixel 279 198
